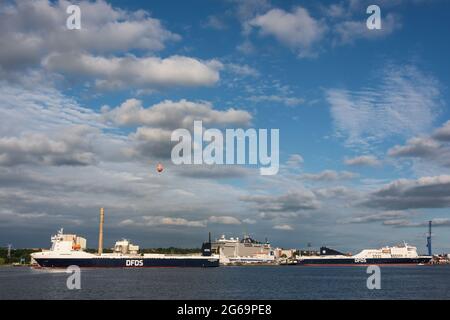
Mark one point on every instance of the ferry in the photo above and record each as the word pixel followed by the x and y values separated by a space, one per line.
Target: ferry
pixel 69 249
pixel 65 251
pixel 403 254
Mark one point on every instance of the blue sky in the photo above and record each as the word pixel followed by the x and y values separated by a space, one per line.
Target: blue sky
pixel 87 114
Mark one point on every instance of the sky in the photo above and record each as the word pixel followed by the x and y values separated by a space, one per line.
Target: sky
pixel 87 114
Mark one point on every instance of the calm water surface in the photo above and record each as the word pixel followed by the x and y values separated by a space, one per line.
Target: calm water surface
pixel 288 282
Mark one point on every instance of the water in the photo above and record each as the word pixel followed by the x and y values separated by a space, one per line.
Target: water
pixel 259 282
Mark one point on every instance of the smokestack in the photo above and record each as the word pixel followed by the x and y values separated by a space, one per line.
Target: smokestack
pixel 429 239
pixel 209 237
pixel 100 231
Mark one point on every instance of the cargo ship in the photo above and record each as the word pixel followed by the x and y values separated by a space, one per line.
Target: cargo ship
pixel 403 254
pixel 69 249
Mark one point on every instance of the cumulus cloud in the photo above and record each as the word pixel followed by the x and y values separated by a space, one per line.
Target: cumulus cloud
pixel 425 192
pixel 157 220
pixel 149 143
pixel 333 192
pixel 348 31
pixel 296 29
pixel 285 227
pixel 174 114
pixel 291 202
pixel 70 148
pixel 442 133
pixel 366 160
pixel 180 222
pixel 213 171
pixel 329 175
pixel 224 220
pixel 404 102
pixel 34 37
pixel 30 30
pixel 384 216
pixel 416 147
pixel 434 148
pixel 295 160
pixel 146 72
pixel 153 136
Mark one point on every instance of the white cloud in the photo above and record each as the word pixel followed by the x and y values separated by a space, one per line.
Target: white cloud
pixel 213 171
pixel 295 160
pixel 146 73
pixel 149 143
pixel 174 114
pixel 366 160
pixel 404 102
pixel 296 29
pixel 329 175
pixel 114 49
pixel 290 202
pixel 442 133
pixel 384 216
pixel 182 222
pixel 242 70
pixel 285 227
pixel 215 22
pixel 224 220
pixel 336 191
pixel 72 147
pixel 426 150
pixel 350 30
pixel 425 192
pixel 416 147
pixel 168 221
pixel 29 30
pixel 286 100
pixel 246 47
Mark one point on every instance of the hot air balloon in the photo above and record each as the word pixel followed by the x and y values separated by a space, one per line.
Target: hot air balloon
pixel 159 167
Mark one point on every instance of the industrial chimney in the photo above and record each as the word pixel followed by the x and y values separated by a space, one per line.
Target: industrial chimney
pixel 430 253
pixel 100 232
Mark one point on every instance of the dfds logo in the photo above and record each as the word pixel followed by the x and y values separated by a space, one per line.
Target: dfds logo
pixel 134 263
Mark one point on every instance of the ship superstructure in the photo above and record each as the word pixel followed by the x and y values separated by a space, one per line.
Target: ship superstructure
pixel 245 250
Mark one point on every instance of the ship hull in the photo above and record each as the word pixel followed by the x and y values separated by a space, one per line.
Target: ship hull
pixel 127 262
pixel 362 261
